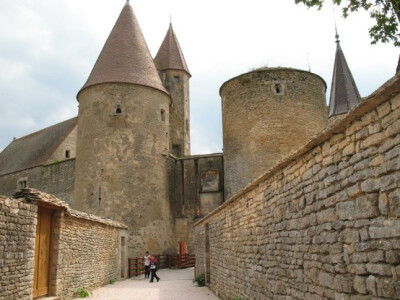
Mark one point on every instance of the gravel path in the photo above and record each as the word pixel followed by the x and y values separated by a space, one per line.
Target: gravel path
pixel 174 285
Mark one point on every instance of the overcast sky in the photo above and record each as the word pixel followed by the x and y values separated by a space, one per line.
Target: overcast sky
pixel 48 48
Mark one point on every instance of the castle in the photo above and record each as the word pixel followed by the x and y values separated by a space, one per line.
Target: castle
pixel 127 155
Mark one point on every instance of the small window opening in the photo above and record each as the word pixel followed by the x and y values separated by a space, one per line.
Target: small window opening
pixel 22 184
pixel 277 88
pixel 67 153
pixel 176 150
pixel 162 115
pixel 118 110
pixel 176 78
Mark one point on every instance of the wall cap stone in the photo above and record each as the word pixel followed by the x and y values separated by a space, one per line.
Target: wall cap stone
pixel 35 196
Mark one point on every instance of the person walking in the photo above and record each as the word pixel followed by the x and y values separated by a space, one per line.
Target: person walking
pixel 153 269
pixel 146 261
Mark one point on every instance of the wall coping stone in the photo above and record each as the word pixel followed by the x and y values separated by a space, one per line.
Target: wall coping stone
pixel 197 156
pixel 388 90
pixel 34 196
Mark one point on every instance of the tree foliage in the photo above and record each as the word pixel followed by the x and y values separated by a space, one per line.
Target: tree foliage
pixel 386 14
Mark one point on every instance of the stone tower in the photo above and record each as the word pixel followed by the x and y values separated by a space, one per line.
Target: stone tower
pixel 123 141
pixel 266 114
pixel 344 92
pixel 175 76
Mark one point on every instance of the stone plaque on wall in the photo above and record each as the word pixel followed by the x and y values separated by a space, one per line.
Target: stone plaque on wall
pixel 210 181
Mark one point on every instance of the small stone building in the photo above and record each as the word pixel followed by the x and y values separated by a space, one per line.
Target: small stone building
pixel 47 248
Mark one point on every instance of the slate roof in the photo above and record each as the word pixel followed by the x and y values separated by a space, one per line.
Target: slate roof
pixel 34 149
pixel 344 93
pixel 125 57
pixel 170 55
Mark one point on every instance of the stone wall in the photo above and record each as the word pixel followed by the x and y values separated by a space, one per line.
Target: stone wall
pixel 55 178
pixel 86 251
pixel 324 223
pixel 17 248
pixel 176 82
pixel 197 189
pixel 88 254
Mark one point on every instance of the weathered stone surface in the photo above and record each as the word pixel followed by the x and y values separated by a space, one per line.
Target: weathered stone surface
pixel 331 227
pixel 86 249
pixel 390 229
pixel 359 284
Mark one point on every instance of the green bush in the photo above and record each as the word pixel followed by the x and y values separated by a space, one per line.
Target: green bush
pixel 112 281
pixel 200 279
pixel 81 292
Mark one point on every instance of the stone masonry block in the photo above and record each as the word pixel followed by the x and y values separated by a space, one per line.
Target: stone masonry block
pixel 394 203
pixel 390 229
pixel 359 284
pixel 365 206
pixel 325 279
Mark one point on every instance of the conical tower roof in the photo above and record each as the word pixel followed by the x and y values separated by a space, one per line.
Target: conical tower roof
pixel 125 57
pixel 344 92
pixel 170 55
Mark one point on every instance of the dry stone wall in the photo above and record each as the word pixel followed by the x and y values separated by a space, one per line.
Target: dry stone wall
pixel 86 250
pixel 324 223
pixel 87 254
pixel 17 248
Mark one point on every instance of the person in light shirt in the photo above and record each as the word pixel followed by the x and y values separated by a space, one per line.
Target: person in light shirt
pixel 146 261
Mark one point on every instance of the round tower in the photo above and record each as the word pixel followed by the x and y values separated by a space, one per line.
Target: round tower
pixel 175 76
pixel 122 143
pixel 266 114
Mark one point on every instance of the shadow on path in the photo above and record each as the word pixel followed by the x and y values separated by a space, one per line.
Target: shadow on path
pixel 174 285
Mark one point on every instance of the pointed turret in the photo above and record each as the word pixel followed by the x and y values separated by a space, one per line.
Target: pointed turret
pixel 125 57
pixel 170 56
pixel 175 77
pixel 344 92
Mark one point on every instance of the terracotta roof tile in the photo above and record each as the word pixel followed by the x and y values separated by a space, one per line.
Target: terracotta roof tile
pixel 125 57
pixel 170 55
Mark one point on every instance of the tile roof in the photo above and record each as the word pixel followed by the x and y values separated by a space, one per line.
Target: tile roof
pixel 344 92
pixel 34 149
pixel 125 57
pixel 170 55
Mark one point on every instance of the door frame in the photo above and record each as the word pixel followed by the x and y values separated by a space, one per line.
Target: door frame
pixel 52 211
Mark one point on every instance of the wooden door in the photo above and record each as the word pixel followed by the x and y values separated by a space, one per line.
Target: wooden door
pixel 182 248
pixel 42 253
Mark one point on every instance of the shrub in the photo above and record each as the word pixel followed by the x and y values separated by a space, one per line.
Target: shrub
pixel 200 279
pixel 81 292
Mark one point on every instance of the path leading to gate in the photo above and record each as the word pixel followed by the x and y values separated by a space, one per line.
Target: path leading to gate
pixel 175 284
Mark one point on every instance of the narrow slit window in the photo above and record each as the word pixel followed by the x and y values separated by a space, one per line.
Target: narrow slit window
pixel 162 115
pixel 277 88
pixel 67 154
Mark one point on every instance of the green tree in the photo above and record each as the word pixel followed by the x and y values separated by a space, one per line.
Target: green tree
pixel 386 14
